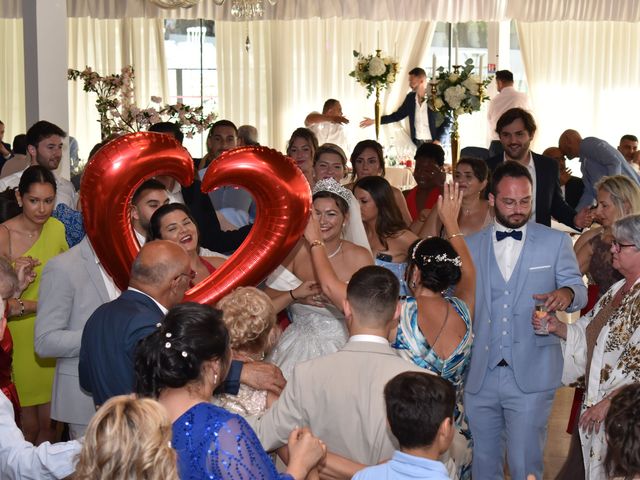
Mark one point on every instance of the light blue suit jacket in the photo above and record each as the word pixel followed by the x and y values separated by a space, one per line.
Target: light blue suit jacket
pixel 547 262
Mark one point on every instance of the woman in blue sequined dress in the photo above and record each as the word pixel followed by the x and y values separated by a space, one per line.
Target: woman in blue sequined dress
pixel 434 330
pixel 181 364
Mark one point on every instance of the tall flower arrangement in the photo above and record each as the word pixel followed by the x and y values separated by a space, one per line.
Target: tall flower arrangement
pixel 119 114
pixel 456 93
pixel 374 71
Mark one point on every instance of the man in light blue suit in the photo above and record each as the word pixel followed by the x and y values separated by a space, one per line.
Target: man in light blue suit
pixel 514 372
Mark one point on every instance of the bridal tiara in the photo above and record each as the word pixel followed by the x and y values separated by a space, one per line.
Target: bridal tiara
pixel 332 186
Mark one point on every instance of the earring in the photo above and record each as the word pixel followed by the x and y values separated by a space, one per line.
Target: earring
pixel 412 284
pixel 215 378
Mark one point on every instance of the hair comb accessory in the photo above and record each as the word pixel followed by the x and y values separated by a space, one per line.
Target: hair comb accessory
pixel 330 185
pixel 415 249
pixel 441 258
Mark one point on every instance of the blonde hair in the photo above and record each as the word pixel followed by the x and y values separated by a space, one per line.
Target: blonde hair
pixel 128 438
pixel 250 318
pixel 625 193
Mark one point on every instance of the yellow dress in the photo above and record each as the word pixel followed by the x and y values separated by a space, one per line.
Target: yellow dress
pixel 33 375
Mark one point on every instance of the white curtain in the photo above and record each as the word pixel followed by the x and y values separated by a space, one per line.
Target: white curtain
pixel 582 75
pixel 292 67
pixel 380 10
pixel 12 103
pixel 106 46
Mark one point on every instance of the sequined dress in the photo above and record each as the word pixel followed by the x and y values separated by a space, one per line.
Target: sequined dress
pixel 314 331
pixel 213 443
pixel 412 345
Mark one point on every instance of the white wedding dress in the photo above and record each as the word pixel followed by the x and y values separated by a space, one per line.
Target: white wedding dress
pixel 314 331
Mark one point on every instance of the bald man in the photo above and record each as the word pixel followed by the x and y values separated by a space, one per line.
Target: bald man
pixel 571 186
pixel 597 159
pixel 160 276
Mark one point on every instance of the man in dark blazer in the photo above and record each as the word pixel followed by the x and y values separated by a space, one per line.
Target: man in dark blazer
pixel 415 105
pixel 572 187
pixel 160 276
pixel 516 128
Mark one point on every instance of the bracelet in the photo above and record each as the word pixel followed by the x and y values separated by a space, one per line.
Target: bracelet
pixel 291 293
pixel 317 243
pixel 21 306
pixel 459 234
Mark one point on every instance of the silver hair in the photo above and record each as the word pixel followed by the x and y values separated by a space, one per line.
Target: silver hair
pixel 627 230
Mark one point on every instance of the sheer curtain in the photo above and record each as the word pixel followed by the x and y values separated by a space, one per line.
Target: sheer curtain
pixel 12 103
pixel 293 66
pixel 582 75
pixel 106 46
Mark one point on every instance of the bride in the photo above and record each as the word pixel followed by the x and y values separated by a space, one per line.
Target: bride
pixel 317 326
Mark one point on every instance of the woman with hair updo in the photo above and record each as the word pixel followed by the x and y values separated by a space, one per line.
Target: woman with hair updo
pixel 317 325
pixel 367 160
pixel 36 236
pixel 434 330
pixel 472 177
pixel 388 234
pixel 622 427
pixel 181 364
pixel 128 437
pixel 250 317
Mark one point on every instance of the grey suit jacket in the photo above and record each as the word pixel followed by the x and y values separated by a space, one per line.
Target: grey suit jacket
pixel 340 397
pixel 71 288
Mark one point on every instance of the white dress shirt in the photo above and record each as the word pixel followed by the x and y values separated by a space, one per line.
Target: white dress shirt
pixel 19 459
pixel 507 251
pixel 65 192
pixel 162 308
pixel 422 120
pixel 508 98
pixel 369 338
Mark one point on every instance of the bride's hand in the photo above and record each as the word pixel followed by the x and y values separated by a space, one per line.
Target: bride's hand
pixel 312 230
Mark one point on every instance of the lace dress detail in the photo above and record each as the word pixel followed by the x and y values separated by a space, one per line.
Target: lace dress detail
pixel 215 444
pixel 412 345
pixel 247 402
pixel 314 331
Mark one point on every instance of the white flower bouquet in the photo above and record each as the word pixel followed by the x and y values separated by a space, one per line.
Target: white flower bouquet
pixel 457 92
pixel 119 114
pixel 374 71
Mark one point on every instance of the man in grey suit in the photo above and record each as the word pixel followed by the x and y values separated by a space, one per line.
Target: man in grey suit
pixel 73 285
pixel 340 396
pixel 514 372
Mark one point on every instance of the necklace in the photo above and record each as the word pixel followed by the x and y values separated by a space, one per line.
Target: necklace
pixel 336 252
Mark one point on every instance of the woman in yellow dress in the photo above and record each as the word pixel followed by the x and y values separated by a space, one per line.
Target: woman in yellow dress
pixel 33 234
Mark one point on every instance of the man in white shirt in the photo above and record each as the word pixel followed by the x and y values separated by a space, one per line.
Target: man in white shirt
pixel 44 147
pixel 508 97
pixel 149 197
pixel 422 120
pixel 329 125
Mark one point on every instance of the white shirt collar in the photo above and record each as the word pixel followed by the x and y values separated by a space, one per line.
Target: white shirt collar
pixel 369 338
pixel 160 306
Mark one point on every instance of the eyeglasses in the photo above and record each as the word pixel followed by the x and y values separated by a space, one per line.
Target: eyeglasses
pixel 618 246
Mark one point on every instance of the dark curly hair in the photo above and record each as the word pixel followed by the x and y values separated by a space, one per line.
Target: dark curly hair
pixel 623 433
pixel 436 275
pixel 172 356
pixel 389 221
pixel 154 222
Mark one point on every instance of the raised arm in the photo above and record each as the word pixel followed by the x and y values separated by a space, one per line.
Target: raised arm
pixel 448 209
pixel 331 285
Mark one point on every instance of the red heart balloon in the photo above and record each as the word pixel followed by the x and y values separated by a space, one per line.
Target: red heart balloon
pixel 281 193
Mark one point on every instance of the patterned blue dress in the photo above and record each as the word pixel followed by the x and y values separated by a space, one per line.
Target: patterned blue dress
pixel 213 443
pixel 412 345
